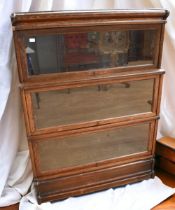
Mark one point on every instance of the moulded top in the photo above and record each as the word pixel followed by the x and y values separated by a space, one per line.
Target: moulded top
pixel 27 20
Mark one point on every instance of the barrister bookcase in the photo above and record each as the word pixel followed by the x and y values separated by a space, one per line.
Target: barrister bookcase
pixel 90 85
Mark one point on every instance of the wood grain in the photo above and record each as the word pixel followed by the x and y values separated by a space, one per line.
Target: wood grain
pixel 168 142
pixel 12 207
pixel 165 151
pixel 168 204
pixel 99 174
pixel 168 179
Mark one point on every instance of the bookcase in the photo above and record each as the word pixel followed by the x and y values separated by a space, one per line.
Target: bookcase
pixel 90 85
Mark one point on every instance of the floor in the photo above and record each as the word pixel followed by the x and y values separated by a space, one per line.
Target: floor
pixel 168 204
pixel 169 180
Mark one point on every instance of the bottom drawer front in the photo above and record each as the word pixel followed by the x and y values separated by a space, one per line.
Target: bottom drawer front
pixel 60 188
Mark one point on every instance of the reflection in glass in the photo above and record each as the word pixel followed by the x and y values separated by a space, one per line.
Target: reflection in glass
pixel 92 50
pixel 93 147
pixel 103 101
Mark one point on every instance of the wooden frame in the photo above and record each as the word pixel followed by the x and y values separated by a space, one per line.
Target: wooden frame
pixel 59 183
pixel 19 37
pixel 27 101
pixel 102 164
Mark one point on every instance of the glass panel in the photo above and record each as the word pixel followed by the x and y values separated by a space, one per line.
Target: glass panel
pixel 93 147
pixel 76 105
pixel 93 50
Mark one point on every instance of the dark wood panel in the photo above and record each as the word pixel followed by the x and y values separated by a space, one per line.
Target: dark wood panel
pixel 166 152
pixel 94 181
pixel 11 207
pixel 166 165
pixel 165 148
pixel 168 204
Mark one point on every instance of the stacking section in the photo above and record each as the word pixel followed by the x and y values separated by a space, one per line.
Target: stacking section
pixel 90 88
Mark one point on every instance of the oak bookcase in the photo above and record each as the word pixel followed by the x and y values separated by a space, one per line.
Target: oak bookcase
pixel 90 87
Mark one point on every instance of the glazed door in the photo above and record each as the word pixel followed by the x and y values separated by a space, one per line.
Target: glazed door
pixel 98 148
pixel 96 49
pixel 59 108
